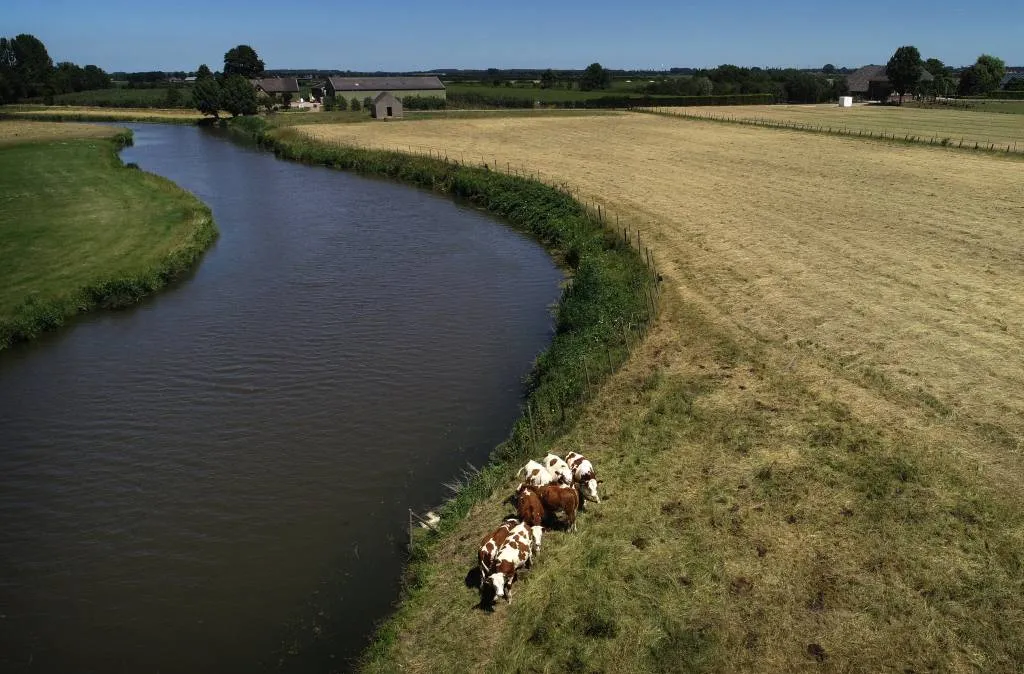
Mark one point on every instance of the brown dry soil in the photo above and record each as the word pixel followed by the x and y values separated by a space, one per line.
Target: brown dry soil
pixel 815 459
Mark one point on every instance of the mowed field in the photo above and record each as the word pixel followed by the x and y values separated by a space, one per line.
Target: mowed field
pixel 79 230
pixel 815 459
pixel 938 123
pixel 85 113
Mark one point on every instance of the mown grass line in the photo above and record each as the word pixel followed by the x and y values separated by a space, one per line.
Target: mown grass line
pixel 998 149
pixel 605 308
pixel 103 115
pixel 81 231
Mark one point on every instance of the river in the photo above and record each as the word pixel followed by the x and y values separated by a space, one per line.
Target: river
pixel 219 478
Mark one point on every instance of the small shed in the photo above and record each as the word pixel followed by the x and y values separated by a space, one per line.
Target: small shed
pixel 386 106
pixel 846 101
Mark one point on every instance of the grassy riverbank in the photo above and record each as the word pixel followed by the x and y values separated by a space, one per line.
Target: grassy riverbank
pixel 814 458
pixel 80 231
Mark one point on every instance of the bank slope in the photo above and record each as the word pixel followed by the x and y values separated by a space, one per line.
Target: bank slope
pixel 80 231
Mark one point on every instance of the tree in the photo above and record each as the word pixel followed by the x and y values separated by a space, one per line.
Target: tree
pixel 238 96
pixel 829 69
pixel 991 70
pixel 33 68
pixel 972 82
pixel 367 103
pixel 942 84
pixel 595 77
pixel 904 70
pixel 206 93
pixel 548 79
pixel 172 98
pixel 286 100
pixel 242 60
pixel 341 103
pixel 354 105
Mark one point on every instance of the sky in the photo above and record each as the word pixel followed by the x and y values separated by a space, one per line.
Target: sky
pixel 408 35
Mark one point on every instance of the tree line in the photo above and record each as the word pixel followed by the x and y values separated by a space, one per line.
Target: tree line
pixel 788 84
pixel 906 68
pixel 230 90
pixel 27 71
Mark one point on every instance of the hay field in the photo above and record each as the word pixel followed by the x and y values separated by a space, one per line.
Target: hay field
pixel 956 125
pixel 28 131
pixel 896 267
pixel 75 112
pixel 815 459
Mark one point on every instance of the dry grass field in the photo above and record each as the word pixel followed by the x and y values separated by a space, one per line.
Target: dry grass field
pixel 956 125
pixel 74 113
pixel 27 131
pixel 815 459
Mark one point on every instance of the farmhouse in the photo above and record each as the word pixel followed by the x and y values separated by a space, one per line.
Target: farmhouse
pixel 363 87
pixel 871 83
pixel 274 86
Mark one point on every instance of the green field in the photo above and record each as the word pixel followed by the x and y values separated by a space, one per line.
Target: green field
pixel 79 230
pixel 116 97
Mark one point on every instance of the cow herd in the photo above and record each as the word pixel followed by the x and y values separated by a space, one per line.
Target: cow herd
pixel 548 488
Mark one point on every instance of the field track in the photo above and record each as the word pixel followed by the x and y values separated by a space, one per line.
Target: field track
pixel 959 126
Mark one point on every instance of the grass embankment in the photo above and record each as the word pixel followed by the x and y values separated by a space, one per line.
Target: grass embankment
pixel 814 459
pixel 70 113
pixel 934 126
pixel 79 230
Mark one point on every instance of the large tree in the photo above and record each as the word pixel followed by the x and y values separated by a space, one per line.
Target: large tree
pixel 242 60
pixel 904 70
pixel 595 77
pixel 943 83
pixel 984 76
pixel 238 96
pixel 206 92
pixel 33 67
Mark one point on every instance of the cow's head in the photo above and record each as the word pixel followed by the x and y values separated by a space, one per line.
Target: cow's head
pixel 589 488
pixel 496 585
pixel 536 533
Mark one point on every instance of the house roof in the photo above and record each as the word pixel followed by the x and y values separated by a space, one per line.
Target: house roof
pixel 859 79
pixel 384 83
pixel 278 85
pixel 1010 77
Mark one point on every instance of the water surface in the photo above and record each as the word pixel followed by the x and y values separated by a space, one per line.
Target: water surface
pixel 218 479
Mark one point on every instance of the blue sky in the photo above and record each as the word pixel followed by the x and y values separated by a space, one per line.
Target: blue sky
pixel 415 35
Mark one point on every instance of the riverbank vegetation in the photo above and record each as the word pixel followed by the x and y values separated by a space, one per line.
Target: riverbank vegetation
pixel 79 230
pixel 813 459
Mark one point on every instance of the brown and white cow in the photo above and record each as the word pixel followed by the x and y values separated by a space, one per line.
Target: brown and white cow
pixel 513 555
pixel 584 475
pixel 535 474
pixel 531 511
pixel 559 469
pixel 490 546
pixel 560 498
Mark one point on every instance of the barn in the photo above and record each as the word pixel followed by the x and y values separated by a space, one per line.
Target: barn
pixel 276 86
pixel 872 84
pixel 361 88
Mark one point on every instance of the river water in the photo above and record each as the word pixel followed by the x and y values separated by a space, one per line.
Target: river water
pixel 218 479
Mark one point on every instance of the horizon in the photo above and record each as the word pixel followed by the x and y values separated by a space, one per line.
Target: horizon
pixel 653 35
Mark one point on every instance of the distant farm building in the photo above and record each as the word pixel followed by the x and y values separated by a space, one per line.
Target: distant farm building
pixel 872 84
pixel 362 88
pixel 276 86
pixel 386 106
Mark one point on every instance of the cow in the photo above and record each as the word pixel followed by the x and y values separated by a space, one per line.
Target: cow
pixel 559 497
pixel 536 474
pixel 490 546
pixel 583 474
pixel 559 469
pixel 531 511
pixel 513 555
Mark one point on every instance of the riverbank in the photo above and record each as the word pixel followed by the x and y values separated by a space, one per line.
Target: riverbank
pixel 79 230
pixel 791 481
pixel 608 304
